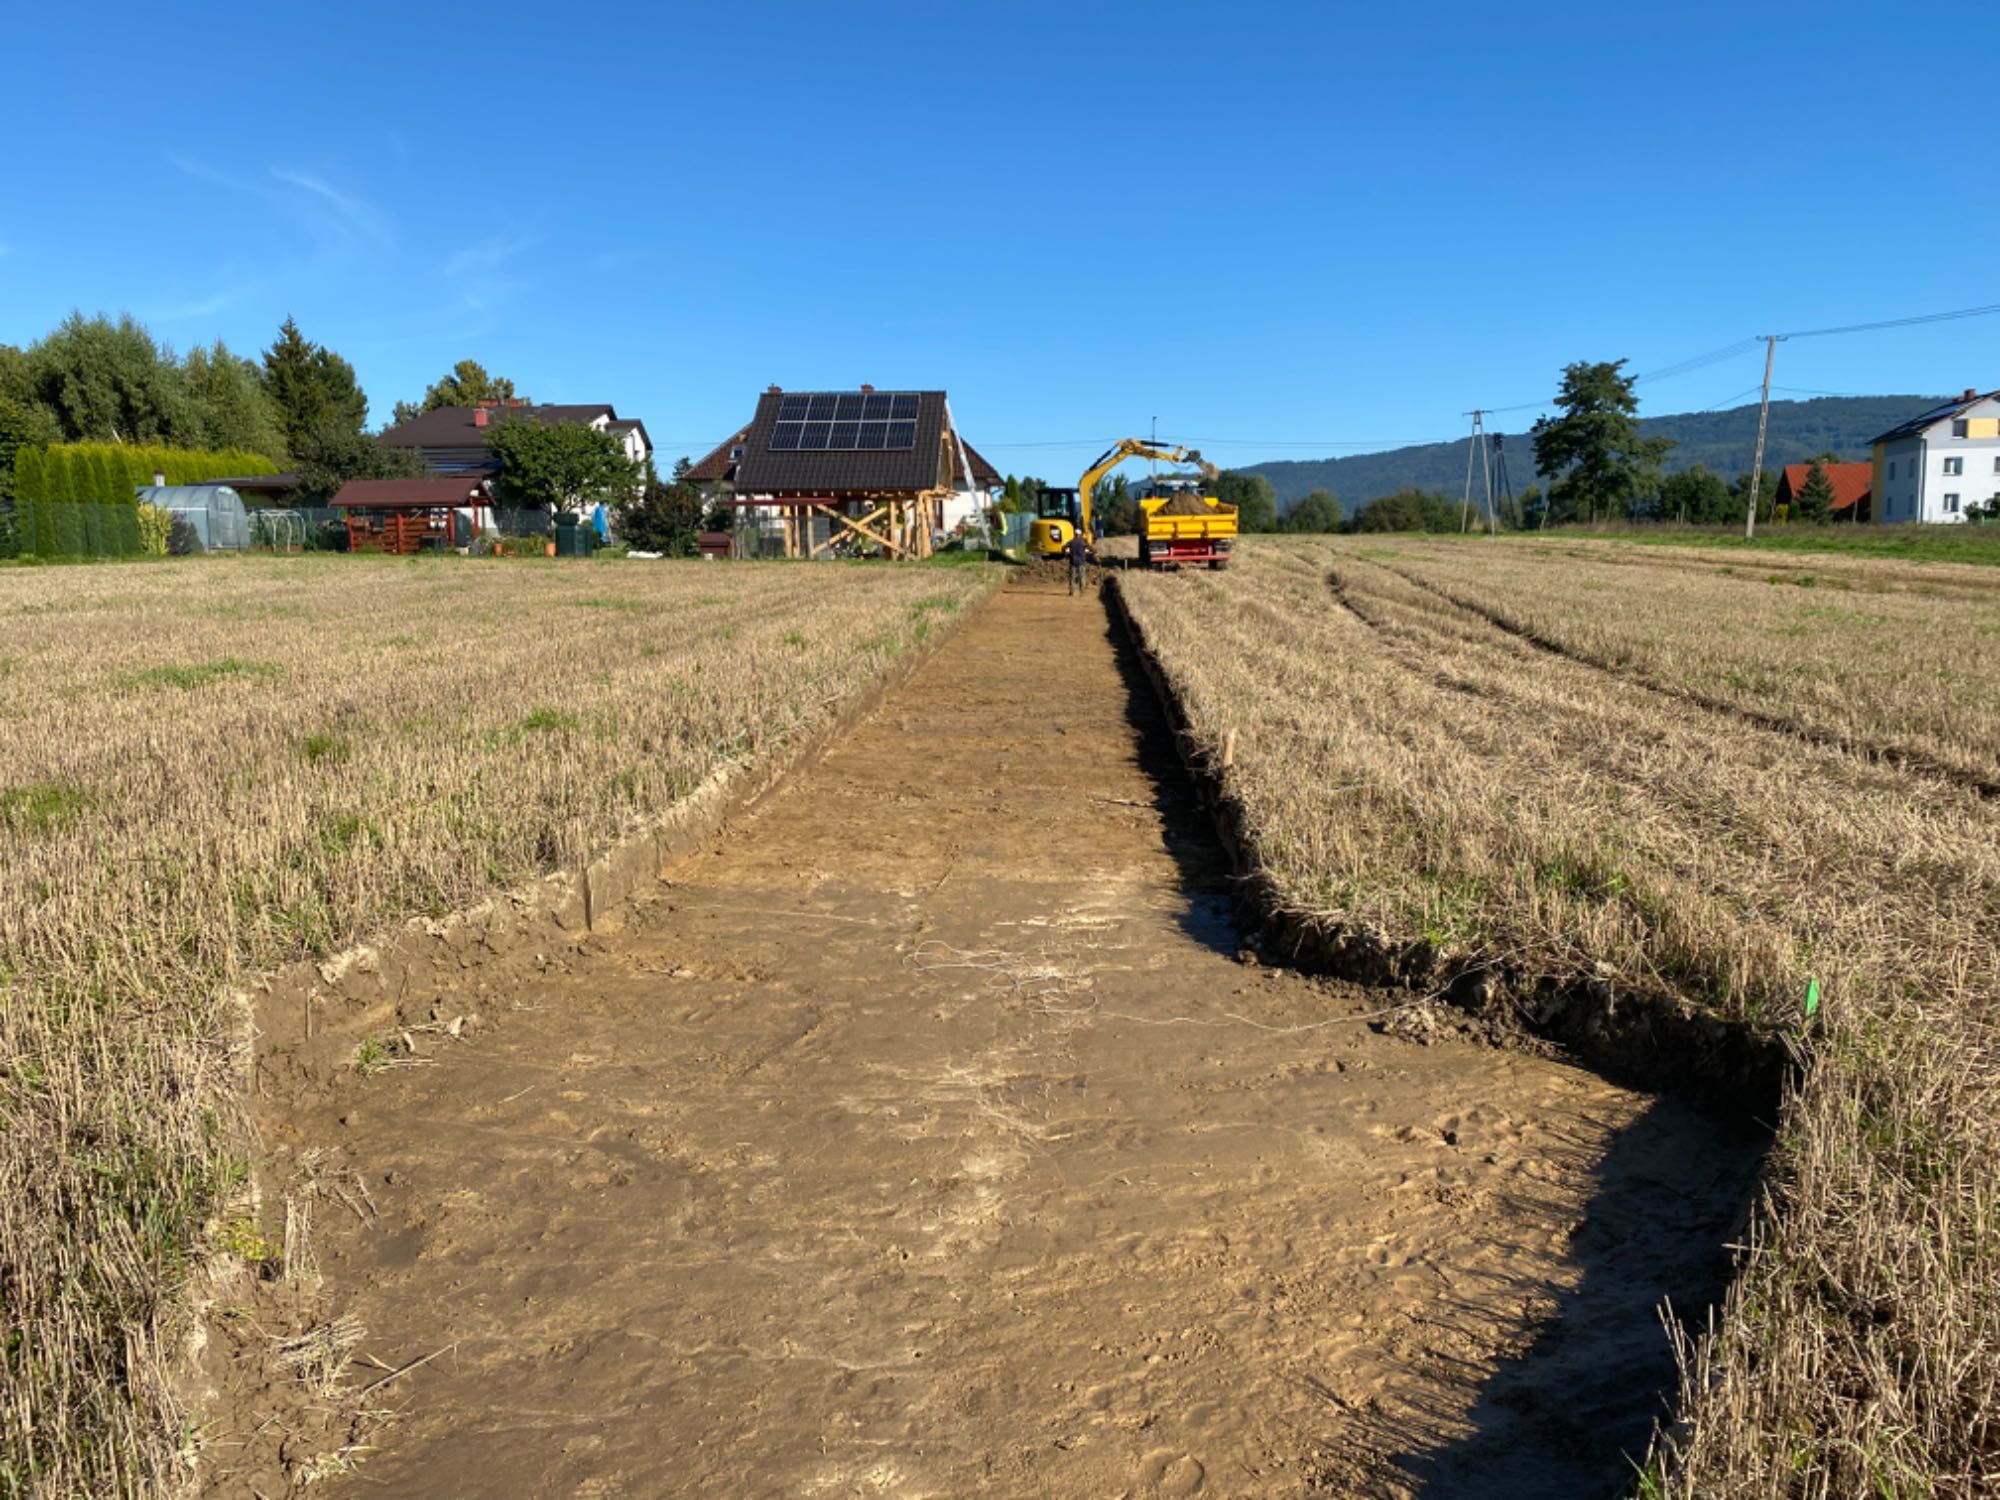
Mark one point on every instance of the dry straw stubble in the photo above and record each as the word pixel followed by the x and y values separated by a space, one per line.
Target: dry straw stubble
pixel 1411 768
pixel 207 769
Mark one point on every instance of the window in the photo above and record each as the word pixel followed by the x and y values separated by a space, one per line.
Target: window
pixel 1892 468
pixel 1954 466
pixel 1996 466
pixel 1960 428
pixel 1951 505
pixel 735 452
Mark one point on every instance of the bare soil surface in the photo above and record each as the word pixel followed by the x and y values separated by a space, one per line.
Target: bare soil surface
pixel 928 1136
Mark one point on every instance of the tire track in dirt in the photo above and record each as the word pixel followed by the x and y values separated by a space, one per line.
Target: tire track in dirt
pixel 903 1144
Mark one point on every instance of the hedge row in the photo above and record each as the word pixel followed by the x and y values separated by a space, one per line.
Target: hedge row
pixel 80 499
pixel 107 473
pixel 37 528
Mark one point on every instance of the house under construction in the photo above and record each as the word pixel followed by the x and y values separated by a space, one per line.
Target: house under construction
pixel 841 473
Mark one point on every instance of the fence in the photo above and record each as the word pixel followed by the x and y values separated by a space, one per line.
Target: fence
pixel 53 529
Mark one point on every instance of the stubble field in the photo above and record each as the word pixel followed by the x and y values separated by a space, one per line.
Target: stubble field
pixel 207 770
pixel 1758 786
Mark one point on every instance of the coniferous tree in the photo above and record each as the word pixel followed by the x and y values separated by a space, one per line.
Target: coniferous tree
pixel 313 389
pixel 29 483
pixel 1814 501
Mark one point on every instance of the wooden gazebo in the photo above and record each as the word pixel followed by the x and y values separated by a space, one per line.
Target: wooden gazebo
pixel 404 516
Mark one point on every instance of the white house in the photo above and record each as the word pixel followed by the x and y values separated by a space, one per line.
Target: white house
pixel 1937 466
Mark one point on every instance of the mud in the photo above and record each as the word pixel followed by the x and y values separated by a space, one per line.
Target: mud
pixel 932 1133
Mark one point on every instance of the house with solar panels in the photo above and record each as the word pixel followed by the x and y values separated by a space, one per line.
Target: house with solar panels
pixel 846 473
pixel 1942 465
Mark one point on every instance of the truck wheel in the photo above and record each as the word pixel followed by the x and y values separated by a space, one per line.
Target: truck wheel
pixel 1217 567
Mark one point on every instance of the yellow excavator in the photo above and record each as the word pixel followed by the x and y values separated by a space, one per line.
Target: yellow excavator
pixel 1174 530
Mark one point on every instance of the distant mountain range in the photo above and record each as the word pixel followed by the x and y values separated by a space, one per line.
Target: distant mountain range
pixel 1723 440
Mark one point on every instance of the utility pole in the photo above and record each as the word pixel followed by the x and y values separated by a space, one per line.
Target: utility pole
pixel 1471 447
pixel 1771 341
pixel 1504 494
pixel 1486 471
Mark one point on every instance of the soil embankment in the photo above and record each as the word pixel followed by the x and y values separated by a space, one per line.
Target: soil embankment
pixel 927 1136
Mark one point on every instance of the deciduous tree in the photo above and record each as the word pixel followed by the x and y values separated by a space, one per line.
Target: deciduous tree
pixel 1593 449
pixel 564 466
pixel 665 519
pixel 233 405
pixel 1318 511
pixel 109 381
pixel 1696 497
pixel 1255 501
pixel 330 455
pixel 468 384
pixel 1409 509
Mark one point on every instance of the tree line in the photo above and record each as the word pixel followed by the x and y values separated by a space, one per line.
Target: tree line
pixel 102 381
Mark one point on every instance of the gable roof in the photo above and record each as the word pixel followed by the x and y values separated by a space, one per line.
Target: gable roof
pixel 1851 482
pixel 930 462
pixel 431 493
pixel 1937 414
pixel 718 465
pixel 458 427
pixel 984 475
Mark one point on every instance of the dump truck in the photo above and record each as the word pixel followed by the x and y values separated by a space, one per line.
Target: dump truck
pixel 1181 527
pixel 1178 529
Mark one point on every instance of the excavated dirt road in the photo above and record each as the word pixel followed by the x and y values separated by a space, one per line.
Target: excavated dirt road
pixel 927 1137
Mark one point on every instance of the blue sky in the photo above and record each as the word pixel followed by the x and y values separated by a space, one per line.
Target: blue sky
pixel 1283 230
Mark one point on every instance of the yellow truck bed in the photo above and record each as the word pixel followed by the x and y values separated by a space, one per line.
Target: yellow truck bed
pixel 1218 520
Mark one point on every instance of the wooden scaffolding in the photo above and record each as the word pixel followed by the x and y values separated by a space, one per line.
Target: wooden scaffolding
pixel 902 525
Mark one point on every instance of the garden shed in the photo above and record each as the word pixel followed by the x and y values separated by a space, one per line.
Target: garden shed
pixel 214 511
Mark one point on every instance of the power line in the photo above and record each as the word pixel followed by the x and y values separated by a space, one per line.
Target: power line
pixel 1699 361
pixel 1944 317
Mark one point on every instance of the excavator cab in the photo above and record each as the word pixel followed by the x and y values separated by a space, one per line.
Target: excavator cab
pixel 1057 515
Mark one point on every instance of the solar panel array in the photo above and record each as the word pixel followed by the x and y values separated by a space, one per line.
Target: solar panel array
pixel 846 421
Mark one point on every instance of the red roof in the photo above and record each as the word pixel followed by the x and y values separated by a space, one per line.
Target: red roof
pixel 431 493
pixel 1851 482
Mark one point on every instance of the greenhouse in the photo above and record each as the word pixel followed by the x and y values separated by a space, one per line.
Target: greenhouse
pixel 214 511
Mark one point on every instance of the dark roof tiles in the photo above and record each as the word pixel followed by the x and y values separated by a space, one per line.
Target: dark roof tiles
pixel 458 426
pixel 1934 416
pixel 409 494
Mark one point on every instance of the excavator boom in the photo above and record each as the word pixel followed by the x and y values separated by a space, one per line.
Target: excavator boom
pixel 1204 536
pixel 1126 448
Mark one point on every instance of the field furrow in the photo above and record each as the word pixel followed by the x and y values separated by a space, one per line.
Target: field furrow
pixel 1410 771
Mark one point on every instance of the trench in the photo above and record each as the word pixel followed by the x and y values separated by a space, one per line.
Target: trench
pixel 929 1133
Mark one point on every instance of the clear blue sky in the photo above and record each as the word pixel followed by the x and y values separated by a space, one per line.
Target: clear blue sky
pixel 1274 227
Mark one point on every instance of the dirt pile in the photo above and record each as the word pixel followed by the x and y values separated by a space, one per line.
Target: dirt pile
pixel 1185 504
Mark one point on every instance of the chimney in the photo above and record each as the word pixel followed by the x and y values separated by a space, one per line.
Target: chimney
pixel 159 480
pixel 479 416
pixel 1971 394
pixel 867 390
pixel 774 390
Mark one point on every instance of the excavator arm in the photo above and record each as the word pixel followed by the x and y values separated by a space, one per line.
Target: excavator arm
pixel 1123 449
